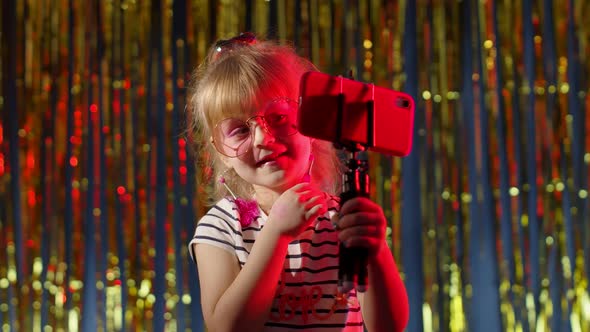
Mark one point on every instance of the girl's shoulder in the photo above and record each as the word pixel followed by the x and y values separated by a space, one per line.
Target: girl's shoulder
pixel 218 227
pixel 239 212
pixel 227 204
pixel 224 209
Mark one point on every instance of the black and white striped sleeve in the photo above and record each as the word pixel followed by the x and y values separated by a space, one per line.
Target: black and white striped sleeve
pixel 219 227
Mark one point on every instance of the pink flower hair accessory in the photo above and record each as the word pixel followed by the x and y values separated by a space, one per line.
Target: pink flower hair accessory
pixel 247 208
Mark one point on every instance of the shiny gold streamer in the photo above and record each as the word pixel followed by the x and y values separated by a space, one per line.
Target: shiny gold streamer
pixel 326 34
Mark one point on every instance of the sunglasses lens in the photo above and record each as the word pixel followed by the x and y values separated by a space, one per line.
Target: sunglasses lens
pixel 280 117
pixel 232 137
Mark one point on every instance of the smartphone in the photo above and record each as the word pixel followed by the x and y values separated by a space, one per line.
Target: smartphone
pixel 321 95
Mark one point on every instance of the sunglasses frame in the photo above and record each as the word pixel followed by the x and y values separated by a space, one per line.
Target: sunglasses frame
pixel 264 125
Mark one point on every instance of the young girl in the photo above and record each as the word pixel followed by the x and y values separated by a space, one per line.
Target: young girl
pixel 267 251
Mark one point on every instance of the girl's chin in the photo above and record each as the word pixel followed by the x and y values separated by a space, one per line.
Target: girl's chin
pixel 279 181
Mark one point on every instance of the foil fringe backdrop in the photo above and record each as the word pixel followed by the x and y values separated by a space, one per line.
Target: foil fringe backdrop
pixel 489 215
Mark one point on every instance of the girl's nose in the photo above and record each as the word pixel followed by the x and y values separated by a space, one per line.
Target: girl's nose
pixel 261 136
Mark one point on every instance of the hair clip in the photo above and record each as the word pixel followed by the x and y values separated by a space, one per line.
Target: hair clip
pixel 223 45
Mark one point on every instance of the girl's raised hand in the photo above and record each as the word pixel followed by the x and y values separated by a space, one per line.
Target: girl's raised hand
pixel 362 224
pixel 296 208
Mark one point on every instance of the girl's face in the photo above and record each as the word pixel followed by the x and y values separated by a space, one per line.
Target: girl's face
pixel 271 153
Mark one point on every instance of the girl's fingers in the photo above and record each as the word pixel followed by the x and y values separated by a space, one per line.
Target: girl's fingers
pixel 360 219
pixel 299 186
pixel 361 223
pixel 361 231
pixel 309 203
pixel 358 204
pixel 305 194
pixel 371 243
pixel 315 211
pixel 370 238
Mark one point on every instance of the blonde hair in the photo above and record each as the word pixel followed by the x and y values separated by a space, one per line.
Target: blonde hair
pixel 234 82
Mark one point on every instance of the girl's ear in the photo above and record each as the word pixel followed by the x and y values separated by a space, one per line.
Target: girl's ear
pixel 223 158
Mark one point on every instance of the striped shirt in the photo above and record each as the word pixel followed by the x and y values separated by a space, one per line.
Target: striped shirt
pixel 306 296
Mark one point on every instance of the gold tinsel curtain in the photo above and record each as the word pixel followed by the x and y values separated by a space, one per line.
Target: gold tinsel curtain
pixel 489 215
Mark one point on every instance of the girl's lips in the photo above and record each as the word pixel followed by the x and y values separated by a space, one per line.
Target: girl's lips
pixel 269 160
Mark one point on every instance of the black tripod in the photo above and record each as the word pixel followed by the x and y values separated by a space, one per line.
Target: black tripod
pixel 355 183
pixel 353 261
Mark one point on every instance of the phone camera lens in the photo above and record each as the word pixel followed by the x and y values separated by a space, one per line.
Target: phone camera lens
pixel 402 102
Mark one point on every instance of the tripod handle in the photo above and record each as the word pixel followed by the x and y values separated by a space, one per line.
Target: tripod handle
pixel 353 261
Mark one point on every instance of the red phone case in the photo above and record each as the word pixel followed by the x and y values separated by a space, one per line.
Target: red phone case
pixel 393 113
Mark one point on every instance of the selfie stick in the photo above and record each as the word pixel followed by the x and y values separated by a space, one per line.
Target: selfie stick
pixel 355 183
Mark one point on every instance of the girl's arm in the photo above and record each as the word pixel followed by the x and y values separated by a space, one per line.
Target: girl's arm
pixel 234 300
pixel 240 300
pixel 385 303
